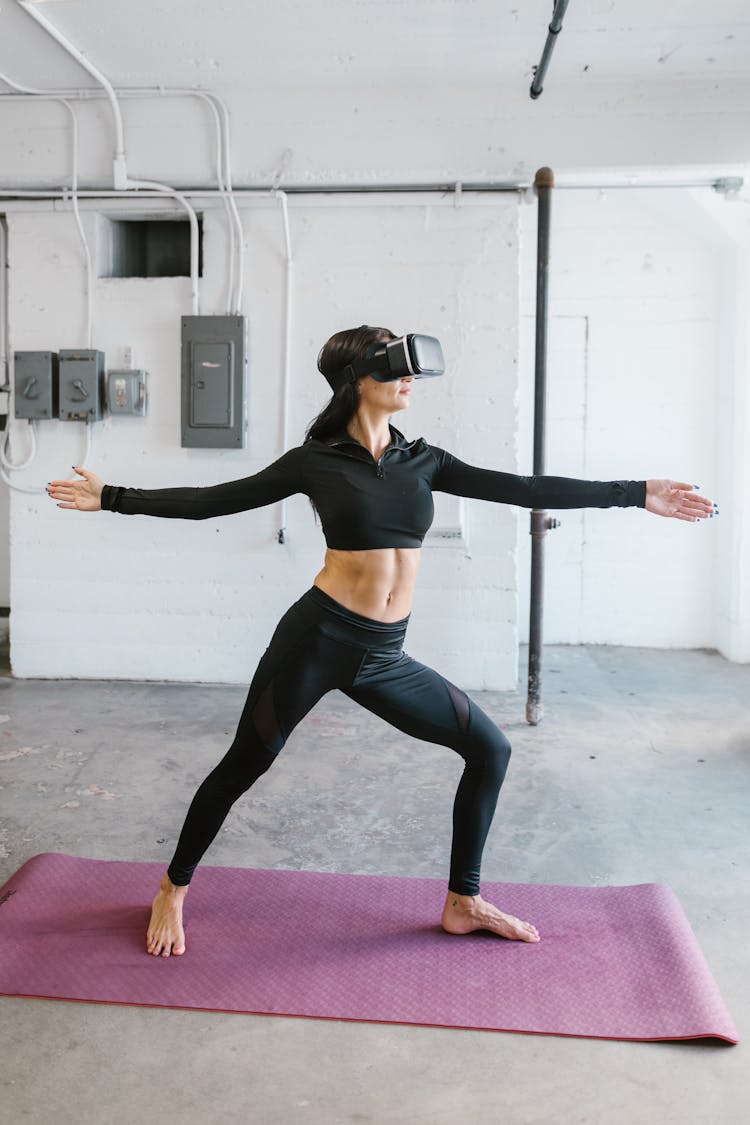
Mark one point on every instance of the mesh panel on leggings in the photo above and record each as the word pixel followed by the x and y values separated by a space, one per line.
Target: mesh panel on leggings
pixel 266 723
pixel 460 701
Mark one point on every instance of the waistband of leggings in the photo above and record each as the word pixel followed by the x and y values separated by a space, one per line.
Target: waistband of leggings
pixel 330 605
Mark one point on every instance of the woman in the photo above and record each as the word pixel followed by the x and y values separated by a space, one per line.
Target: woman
pixel 373 492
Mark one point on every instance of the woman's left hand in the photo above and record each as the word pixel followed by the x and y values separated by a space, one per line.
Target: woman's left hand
pixel 678 500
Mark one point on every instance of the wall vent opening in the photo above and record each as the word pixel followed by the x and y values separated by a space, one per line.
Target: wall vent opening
pixel 151 248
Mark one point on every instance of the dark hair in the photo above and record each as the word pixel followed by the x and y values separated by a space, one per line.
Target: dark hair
pixel 336 353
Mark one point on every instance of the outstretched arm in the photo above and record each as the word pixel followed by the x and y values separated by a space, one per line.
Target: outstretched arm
pixel 460 479
pixel 663 497
pixel 283 478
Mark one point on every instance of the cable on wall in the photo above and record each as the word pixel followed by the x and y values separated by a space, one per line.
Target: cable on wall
pixel 164 189
pixel 81 232
pixel 240 234
pixel 8 465
pixel 220 117
pixel 120 176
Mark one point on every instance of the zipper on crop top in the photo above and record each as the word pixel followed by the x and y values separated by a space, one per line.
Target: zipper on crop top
pixel 378 464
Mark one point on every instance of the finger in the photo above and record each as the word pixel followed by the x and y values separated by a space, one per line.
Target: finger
pixel 699 507
pixel 683 486
pixel 690 490
pixel 681 516
pixel 697 501
pixel 74 506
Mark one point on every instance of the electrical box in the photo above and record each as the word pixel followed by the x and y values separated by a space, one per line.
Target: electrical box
pixel 35 384
pixel 214 362
pixel 81 385
pixel 126 392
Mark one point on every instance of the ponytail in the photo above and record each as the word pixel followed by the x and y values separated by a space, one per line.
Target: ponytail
pixel 336 414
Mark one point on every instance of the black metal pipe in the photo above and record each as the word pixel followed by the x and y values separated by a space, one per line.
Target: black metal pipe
pixel 544 183
pixel 553 31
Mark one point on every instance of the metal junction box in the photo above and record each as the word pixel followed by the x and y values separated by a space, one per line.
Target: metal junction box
pixel 35 384
pixel 81 385
pixel 126 392
pixel 214 364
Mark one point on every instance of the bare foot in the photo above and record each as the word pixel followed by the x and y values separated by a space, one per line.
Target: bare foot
pixel 165 935
pixel 462 914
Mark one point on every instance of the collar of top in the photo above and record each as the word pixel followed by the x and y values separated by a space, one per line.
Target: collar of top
pixel 343 437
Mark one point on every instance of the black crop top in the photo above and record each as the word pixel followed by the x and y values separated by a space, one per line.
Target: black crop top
pixel 364 503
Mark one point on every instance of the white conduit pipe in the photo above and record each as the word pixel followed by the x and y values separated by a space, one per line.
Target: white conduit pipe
pixel 5 460
pixel 214 103
pixel 42 95
pixel 239 233
pixel 119 165
pixel 287 362
pixel 4 475
pixel 164 189
pixel 81 232
pixel 8 466
pixel 226 196
pixel 224 182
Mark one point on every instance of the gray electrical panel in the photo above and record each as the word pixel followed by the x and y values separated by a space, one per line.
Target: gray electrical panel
pixel 214 363
pixel 81 385
pixel 35 384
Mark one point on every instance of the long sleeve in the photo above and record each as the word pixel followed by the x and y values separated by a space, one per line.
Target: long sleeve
pixel 280 479
pixel 459 479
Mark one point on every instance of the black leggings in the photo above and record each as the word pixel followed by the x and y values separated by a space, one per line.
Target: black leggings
pixel 319 645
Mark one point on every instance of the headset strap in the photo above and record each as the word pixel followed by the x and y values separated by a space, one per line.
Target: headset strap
pixel 359 367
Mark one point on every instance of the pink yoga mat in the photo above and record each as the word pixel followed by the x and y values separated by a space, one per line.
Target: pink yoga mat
pixel 613 963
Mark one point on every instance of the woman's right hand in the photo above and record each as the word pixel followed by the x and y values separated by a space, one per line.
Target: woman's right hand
pixel 84 495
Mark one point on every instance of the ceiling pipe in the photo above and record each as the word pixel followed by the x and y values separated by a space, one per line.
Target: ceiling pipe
pixel 725 185
pixel 554 30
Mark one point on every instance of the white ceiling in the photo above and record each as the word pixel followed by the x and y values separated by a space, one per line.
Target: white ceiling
pixel 458 43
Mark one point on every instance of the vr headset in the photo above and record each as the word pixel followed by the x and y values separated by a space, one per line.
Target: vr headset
pixel 421 357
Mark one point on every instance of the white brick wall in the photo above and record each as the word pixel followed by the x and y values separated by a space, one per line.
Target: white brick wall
pixel 636 388
pixel 133 597
pixel 643 292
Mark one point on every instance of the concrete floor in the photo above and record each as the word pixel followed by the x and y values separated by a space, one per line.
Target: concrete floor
pixel 639 773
